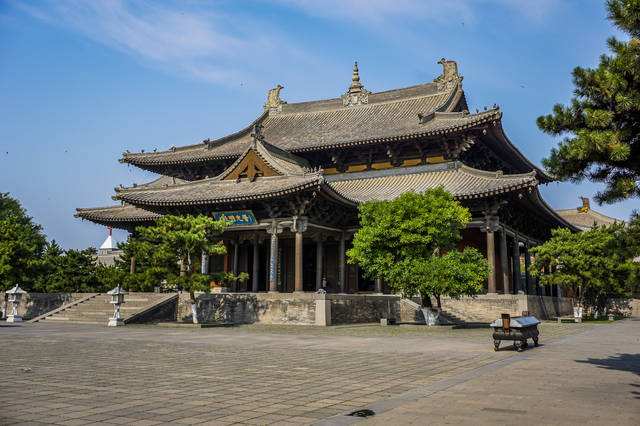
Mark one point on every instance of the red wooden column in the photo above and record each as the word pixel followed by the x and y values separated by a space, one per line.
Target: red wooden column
pixel 504 261
pixel 491 259
pixel 299 226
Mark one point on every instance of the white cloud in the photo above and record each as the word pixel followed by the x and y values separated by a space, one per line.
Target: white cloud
pixel 377 13
pixel 189 38
pixel 199 40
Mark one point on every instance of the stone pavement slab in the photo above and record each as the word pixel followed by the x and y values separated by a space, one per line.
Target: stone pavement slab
pixel 87 374
pixel 592 378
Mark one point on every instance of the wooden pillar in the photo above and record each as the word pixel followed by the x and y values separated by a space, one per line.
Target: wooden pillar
pixel 527 269
pixel 378 286
pixel 319 261
pixel 132 265
pixel 256 265
pixel 299 226
pixel 273 258
pixel 491 259
pixel 517 279
pixel 341 263
pixel 504 261
pixel 297 284
pixel 236 255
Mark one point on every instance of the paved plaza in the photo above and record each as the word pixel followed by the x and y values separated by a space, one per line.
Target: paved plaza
pixel 144 375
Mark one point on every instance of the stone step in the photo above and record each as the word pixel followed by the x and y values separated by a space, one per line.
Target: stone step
pixel 98 309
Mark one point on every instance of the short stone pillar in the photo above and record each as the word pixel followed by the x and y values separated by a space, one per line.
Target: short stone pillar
pixel 323 310
pixel 15 296
pixel 117 299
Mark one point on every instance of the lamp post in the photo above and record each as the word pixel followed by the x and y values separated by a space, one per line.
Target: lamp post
pixel 117 299
pixel 15 295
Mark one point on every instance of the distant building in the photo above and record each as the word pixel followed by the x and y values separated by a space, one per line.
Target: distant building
pixel 108 251
pixel 584 218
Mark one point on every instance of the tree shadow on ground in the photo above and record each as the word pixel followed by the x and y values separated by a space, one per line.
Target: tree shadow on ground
pixel 621 362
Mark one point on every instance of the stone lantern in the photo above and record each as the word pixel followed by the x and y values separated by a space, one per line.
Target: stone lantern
pixel 117 299
pixel 15 295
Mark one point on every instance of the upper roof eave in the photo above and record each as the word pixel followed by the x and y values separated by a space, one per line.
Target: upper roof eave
pixel 465 122
pixel 452 95
pixel 543 176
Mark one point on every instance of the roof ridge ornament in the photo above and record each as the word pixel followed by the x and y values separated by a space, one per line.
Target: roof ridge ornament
pixel 256 135
pixel 356 94
pixel 274 103
pixel 585 207
pixel 450 76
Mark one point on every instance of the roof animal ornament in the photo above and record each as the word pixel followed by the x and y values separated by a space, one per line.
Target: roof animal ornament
pixel 273 99
pixel 585 205
pixel 356 94
pixel 449 76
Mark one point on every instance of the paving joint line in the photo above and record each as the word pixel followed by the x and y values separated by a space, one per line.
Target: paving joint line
pixel 418 393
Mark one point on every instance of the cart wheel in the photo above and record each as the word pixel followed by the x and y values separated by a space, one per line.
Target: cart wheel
pixel 496 345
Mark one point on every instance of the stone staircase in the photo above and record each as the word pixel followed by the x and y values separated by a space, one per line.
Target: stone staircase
pixel 96 309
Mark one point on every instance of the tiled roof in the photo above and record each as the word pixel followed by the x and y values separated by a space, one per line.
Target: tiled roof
pixel 214 190
pixel 586 220
pixel 280 160
pixel 115 214
pixel 462 181
pixel 305 126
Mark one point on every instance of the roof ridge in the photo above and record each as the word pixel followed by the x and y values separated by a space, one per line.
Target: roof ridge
pixel 369 105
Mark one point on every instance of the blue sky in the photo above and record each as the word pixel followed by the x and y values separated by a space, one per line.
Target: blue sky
pixel 83 81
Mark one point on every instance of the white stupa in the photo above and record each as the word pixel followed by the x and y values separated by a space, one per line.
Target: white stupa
pixel 108 243
pixel 108 251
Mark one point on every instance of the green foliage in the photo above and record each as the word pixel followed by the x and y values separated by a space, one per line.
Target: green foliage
pixel 176 240
pixel 594 264
pixel 603 120
pixel 68 271
pixel 411 242
pixel 21 245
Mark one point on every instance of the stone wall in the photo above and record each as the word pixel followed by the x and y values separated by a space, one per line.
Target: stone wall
pixel 359 308
pixel 35 304
pixel 485 308
pixel 293 309
pixel 249 308
pixel 547 307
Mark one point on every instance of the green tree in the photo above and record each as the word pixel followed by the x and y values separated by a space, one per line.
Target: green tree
pixel 411 242
pixel 21 245
pixel 602 123
pixel 185 238
pixel 153 263
pixel 591 263
pixel 72 271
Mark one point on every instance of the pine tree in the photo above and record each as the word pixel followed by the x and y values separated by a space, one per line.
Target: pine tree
pixel 602 123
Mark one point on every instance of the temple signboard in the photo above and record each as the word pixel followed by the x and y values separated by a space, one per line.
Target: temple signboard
pixel 237 217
